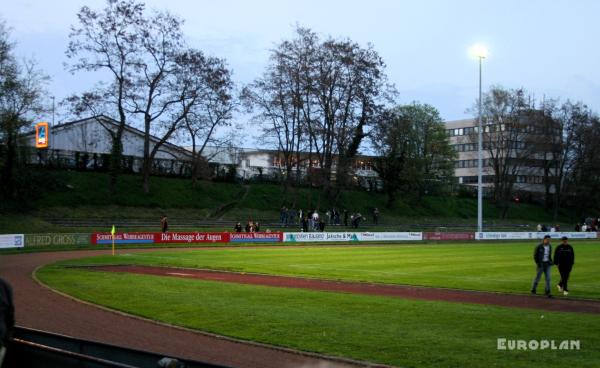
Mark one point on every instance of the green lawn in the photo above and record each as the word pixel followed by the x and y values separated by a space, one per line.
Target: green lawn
pixel 378 329
pixel 504 267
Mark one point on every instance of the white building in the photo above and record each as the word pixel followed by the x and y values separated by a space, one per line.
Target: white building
pixel 91 135
pixel 86 144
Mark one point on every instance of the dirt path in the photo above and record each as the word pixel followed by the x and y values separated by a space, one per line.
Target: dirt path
pixel 411 292
pixel 40 308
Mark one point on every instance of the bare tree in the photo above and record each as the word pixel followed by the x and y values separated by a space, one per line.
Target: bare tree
pixel 212 108
pixel 558 127
pixel 584 180
pixel 155 75
pixel 508 139
pixel 323 92
pixel 107 41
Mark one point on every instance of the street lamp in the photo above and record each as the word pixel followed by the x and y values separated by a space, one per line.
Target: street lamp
pixel 480 52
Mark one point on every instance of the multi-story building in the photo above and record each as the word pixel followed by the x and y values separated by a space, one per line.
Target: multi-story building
pixel 462 133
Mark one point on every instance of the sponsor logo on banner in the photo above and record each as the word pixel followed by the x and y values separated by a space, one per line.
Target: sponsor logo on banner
pixel 12 241
pixel 533 235
pixel 570 235
pixel 194 237
pixel 448 236
pixel 255 237
pixel 125 238
pixel 390 236
pixel 43 240
pixel 505 235
pixel 345 237
pixel 320 237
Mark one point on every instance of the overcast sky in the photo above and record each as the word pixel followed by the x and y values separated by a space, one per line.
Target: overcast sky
pixel 551 48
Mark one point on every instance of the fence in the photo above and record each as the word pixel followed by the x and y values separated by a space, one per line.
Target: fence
pixel 84 161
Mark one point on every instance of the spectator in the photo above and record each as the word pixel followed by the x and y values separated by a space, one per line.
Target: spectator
pixel 7 316
pixel 164 224
pixel 328 215
pixel 283 215
pixel 315 220
pixel 321 226
pixel 305 224
pixel 248 226
pixel 584 228
pixel 578 227
pixel 300 215
pixel 552 229
pixel 336 217
pixel 539 228
pixel 542 256
pixel 564 258
pixel 256 227
pixel 346 218
pixel 376 216
pixel 544 228
pixel 237 228
pixel 356 217
pixel 291 216
pixel 557 227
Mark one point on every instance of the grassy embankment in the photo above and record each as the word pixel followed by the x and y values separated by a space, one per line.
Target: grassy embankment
pixel 84 196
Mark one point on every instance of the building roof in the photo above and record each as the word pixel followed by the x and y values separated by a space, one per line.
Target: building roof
pixel 115 123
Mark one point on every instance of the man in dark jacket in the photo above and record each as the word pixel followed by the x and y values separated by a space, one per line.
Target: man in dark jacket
pixel 564 258
pixel 542 255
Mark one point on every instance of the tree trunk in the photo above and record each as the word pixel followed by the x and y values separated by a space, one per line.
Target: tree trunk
pixel 7 174
pixel 147 162
pixel 115 166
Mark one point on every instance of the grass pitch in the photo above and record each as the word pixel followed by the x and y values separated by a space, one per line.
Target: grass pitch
pixel 380 329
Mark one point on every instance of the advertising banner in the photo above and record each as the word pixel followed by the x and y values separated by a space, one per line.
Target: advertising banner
pixel 448 236
pixel 351 237
pixel 504 235
pixel 44 240
pixel 570 235
pixel 125 238
pixel 12 241
pixel 533 235
pixel 193 237
pixel 186 238
pixel 319 237
pixel 255 237
pixel 390 236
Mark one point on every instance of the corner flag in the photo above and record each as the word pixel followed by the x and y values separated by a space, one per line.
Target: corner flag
pixel 112 232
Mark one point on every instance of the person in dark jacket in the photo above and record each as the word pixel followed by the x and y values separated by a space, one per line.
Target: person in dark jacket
pixel 305 223
pixel 164 224
pixel 542 255
pixel 564 258
pixel 238 228
pixel 7 316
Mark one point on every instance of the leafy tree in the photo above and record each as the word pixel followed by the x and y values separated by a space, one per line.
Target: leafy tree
pixel 413 151
pixel 21 101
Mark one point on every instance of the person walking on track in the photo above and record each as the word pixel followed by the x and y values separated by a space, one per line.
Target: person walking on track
pixel 542 255
pixel 564 258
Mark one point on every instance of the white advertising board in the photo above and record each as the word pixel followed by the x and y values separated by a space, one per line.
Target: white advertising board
pixel 12 241
pixel 347 236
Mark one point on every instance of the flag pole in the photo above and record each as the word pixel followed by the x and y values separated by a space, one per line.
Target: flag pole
pixel 112 232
